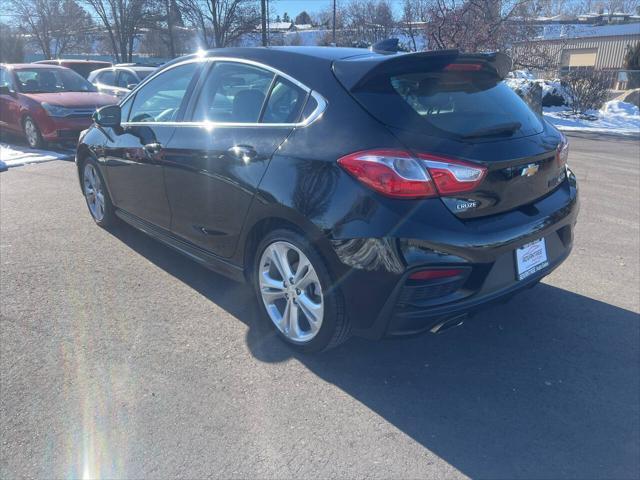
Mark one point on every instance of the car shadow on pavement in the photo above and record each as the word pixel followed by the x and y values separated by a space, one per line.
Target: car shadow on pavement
pixel 546 386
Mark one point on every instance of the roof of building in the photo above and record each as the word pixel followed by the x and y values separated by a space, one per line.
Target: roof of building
pixel 581 31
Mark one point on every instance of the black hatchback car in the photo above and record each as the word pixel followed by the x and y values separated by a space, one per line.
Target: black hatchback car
pixel 360 193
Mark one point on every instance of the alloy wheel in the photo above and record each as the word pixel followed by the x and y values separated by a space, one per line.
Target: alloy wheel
pixel 93 192
pixel 291 291
pixel 31 132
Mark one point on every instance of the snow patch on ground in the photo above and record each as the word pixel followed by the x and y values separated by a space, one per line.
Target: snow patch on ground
pixel 14 155
pixel 614 117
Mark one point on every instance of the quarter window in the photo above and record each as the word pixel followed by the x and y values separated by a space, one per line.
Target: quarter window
pixel 233 93
pixel 285 102
pixel 161 98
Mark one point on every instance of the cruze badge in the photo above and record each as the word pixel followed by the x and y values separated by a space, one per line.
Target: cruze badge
pixel 530 170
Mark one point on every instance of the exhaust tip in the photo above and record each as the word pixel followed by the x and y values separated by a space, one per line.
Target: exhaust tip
pixel 449 323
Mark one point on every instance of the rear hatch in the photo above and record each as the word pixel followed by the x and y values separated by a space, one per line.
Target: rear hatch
pixel 456 106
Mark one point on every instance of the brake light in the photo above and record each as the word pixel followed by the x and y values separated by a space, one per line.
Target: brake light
pixel 394 173
pixel 398 174
pixel 453 176
pixel 435 274
pixel 562 152
pixel 463 67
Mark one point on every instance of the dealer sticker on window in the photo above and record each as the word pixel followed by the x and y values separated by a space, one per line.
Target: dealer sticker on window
pixel 531 258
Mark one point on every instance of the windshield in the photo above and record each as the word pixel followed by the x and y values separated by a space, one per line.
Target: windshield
pixel 450 103
pixel 45 80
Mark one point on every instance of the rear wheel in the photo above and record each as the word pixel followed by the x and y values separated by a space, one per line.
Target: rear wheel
pixel 96 194
pixel 297 294
pixel 32 133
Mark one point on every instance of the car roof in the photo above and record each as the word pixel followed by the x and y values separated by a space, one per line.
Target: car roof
pixel 72 61
pixel 325 53
pixel 20 66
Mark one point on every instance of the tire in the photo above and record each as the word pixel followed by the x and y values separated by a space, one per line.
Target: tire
pixel 96 194
pixel 333 327
pixel 32 133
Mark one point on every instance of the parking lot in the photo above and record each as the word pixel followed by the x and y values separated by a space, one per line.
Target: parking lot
pixel 122 358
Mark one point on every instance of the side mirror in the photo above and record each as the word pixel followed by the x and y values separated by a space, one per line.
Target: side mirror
pixel 5 90
pixel 131 86
pixel 108 116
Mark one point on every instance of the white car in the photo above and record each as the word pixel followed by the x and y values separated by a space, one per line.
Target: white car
pixel 119 79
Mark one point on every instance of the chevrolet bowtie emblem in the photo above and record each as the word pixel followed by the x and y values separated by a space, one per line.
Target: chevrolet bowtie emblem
pixel 530 170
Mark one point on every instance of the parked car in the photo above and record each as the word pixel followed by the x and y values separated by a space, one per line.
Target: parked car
pixel 120 79
pixel 359 193
pixel 46 103
pixel 81 67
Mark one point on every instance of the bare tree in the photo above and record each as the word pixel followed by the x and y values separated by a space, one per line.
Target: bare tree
pixel 55 27
pixel 415 14
pixel 366 22
pixel 123 21
pixel 167 30
pixel 12 50
pixel 221 22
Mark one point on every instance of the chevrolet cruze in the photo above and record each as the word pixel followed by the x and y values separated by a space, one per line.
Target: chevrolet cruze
pixel 360 193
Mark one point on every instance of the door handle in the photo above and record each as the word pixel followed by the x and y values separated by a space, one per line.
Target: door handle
pixel 152 148
pixel 243 152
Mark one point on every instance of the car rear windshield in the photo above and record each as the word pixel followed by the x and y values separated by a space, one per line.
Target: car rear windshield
pixel 467 105
pixel 45 80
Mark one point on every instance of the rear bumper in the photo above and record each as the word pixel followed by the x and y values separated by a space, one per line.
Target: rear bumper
pixel 390 305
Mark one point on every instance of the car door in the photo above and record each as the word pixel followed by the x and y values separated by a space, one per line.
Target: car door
pixel 9 103
pixel 133 154
pixel 214 163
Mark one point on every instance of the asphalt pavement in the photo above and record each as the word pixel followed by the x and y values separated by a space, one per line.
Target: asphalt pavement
pixel 121 358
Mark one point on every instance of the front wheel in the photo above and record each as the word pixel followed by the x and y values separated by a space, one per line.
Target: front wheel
pixel 32 133
pixel 297 294
pixel 96 195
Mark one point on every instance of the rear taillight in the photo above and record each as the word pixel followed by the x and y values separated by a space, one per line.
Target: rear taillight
pixel 394 173
pixel 562 152
pixel 398 174
pixel 453 176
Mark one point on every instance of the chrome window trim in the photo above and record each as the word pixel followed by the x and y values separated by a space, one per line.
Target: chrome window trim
pixel 315 115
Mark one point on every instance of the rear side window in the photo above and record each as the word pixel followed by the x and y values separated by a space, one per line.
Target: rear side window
pixel 450 103
pixel 107 78
pixel 126 78
pixel 161 98
pixel 284 104
pixel 233 93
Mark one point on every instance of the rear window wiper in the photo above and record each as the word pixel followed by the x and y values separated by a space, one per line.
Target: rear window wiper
pixel 500 129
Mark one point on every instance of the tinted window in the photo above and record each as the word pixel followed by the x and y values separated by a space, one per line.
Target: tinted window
pixel 45 80
pixel 233 93
pixel 450 103
pixel 284 104
pixel 142 74
pixel 160 99
pixel 126 78
pixel 309 107
pixel 4 78
pixel 107 78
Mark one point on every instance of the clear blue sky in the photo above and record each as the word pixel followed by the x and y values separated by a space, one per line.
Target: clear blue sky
pixel 294 7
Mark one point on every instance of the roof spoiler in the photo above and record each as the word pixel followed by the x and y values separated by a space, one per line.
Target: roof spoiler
pixel 356 72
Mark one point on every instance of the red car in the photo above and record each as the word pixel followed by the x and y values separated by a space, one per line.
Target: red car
pixel 47 103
